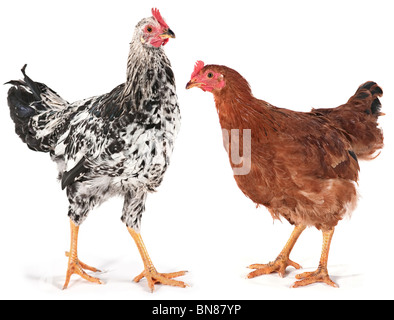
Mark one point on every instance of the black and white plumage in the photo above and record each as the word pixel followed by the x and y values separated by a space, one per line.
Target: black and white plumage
pixel 119 143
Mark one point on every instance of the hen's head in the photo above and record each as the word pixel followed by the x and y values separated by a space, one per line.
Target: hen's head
pixel 154 31
pixel 220 80
pixel 208 78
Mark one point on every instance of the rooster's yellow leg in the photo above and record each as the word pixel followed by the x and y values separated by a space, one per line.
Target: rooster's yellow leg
pixel 150 272
pixel 74 265
pixel 321 274
pixel 282 261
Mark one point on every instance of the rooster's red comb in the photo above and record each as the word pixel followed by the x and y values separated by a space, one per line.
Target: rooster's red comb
pixel 156 14
pixel 197 68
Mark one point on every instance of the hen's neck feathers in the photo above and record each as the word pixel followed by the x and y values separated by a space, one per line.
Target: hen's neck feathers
pixel 238 108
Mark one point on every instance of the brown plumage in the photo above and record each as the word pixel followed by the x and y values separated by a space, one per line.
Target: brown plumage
pixel 358 118
pixel 303 164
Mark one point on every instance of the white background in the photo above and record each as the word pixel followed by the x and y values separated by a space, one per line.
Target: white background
pixel 295 54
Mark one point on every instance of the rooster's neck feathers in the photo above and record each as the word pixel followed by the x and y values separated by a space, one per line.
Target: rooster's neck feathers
pixel 148 69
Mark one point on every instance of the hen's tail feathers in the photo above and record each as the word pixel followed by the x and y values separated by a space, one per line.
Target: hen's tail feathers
pixel 358 118
pixel 367 95
pixel 369 142
pixel 25 100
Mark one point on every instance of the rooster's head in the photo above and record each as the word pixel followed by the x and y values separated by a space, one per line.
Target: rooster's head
pixel 154 31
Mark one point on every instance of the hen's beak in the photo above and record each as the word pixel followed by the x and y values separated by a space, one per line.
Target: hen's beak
pixel 192 84
pixel 167 34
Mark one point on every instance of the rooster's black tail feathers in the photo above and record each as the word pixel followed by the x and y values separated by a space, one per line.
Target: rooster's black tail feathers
pixel 24 101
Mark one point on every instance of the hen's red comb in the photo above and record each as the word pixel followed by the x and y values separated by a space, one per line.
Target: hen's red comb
pixel 156 14
pixel 197 68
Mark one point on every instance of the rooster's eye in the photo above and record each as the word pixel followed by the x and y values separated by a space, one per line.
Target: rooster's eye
pixel 149 29
pixel 210 75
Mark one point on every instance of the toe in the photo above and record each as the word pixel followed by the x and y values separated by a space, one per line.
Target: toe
pixel 153 277
pixel 308 278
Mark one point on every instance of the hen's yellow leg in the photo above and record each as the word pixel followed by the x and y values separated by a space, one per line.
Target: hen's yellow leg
pixel 282 261
pixel 321 274
pixel 150 272
pixel 74 265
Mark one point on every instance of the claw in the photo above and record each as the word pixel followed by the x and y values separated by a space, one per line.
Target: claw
pixel 77 267
pixel 279 266
pixel 320 275
pixel 83 265
pixel 154 277
pixel 150 273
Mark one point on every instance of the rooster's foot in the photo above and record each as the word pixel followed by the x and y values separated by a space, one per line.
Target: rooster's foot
pixel 279 265
pixel 75 266
pixel 153 277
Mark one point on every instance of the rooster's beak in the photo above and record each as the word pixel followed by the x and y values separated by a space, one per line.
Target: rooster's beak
pixel 167 34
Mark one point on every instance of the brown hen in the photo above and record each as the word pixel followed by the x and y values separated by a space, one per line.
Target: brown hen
pixel 301 166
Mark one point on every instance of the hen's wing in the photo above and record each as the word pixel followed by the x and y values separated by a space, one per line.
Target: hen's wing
pixel 312 146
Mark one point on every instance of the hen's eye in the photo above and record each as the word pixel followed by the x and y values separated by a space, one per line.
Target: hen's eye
pixel 149 29
pixel 210 75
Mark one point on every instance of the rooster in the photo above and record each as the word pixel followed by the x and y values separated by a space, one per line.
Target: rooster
pixel 118 143
pixel 303 165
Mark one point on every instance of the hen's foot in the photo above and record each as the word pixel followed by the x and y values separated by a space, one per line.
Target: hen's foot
pixel 77 267
pixel 153 277
pixel 320 275
pixel 279 265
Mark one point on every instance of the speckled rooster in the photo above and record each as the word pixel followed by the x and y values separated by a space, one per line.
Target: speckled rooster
pixel 119 143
